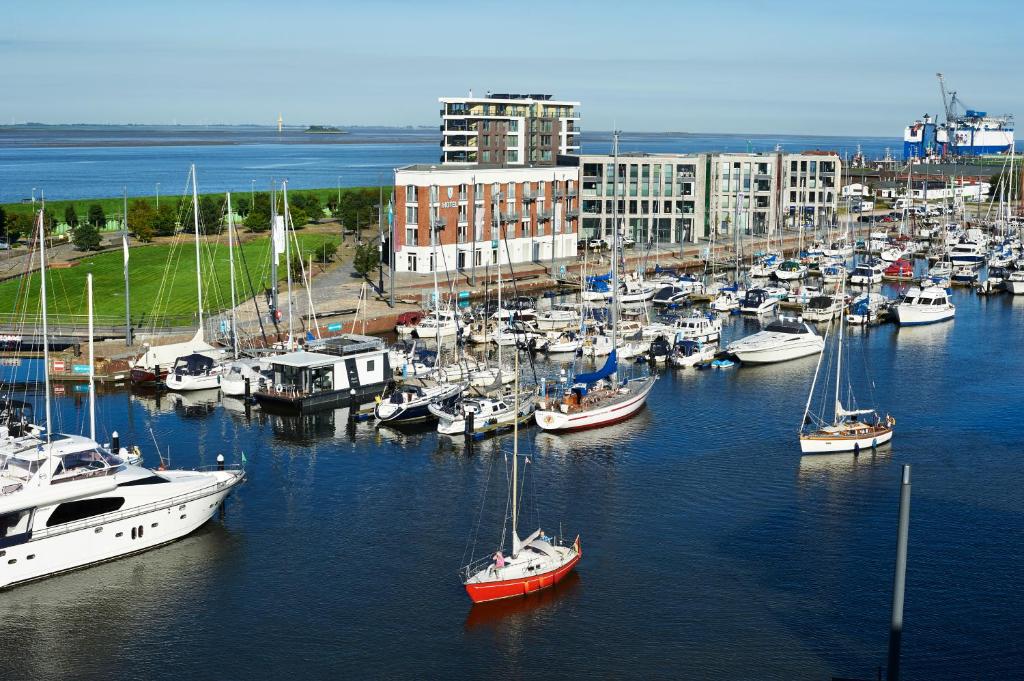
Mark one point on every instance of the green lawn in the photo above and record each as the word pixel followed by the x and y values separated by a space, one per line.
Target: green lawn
pixel 163 280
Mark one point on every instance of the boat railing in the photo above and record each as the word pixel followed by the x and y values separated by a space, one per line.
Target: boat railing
pixel 179 500
pixel 467 571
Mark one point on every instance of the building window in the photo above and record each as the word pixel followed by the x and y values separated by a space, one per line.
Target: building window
pixel 410 194
pixel 462 192
pixel 485 156
pixel 412 262
pixel 411 214
pixel 512 156
pixel 460 259
pixel 410 236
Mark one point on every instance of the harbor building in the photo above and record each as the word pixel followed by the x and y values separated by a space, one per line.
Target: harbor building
pixel 508 130
pixel 453 218
pixel 678 198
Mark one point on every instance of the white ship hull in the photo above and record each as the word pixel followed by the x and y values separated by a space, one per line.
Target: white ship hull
pixel 1014 286
pixel 186 383
pixel 553 420
pixel 779 353
pixel 918 315
pixel 823 446
pixel 52 550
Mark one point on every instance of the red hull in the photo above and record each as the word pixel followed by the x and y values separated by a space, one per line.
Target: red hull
pixel 147 376
pixel 510 588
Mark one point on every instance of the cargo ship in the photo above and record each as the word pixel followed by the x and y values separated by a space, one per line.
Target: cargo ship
pixel 971 133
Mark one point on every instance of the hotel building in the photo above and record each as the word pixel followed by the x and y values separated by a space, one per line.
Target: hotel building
pixel 452 218
pixel 507 130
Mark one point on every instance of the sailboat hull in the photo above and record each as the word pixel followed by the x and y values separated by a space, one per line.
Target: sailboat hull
pixel 829 444
pixel 557 421
pixel 484 592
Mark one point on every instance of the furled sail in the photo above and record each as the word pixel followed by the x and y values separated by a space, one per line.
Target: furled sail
pixel 610 366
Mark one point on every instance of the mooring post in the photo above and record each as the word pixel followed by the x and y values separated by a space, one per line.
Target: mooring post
pixel 899 578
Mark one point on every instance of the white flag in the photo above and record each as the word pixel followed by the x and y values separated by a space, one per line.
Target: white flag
pixel 278 237
pixel 124 244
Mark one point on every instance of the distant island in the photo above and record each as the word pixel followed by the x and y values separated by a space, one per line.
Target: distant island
pixel 325 130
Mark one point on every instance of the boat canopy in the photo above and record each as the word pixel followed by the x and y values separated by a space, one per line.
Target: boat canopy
pixel 842 411
pixel 593 278
pixel 609 368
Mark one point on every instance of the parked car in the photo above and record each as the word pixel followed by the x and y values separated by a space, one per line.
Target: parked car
pixel 597 244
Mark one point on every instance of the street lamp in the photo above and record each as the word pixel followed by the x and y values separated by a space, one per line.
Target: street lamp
pixel 33 196
pixel 339 191
pixel 158 196
pixel 252 195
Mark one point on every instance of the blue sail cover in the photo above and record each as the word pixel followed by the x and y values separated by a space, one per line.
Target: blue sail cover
pixel 600 286
pixel 599 277
pixel 610 365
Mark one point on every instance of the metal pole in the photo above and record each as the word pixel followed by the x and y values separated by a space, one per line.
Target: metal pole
pixel 899 579
pixel 158 196
pixel 391 249
pixel 127 287
pixel 472 226
pixel 380 239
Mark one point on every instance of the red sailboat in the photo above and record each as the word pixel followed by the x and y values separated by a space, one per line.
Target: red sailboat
pixel 535 563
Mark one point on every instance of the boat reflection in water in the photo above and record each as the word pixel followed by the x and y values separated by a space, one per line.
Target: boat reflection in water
pixel 511 617
pixel 126 596
pixel 841 465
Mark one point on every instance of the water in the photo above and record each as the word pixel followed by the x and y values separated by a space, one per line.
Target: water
pixel 78 162
pixel 712 549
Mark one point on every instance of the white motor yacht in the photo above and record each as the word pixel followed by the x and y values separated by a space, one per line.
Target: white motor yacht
pixel 784 339
pixel 823 308
pixel 867 274
pixel 758 301
pixel 967 253
pixel 482 414
pixel 924 306
pixel 67 502
pixel 866 308
pixel 557 320
pixel 194 372
pixel 1015 283
pixel 688 353
pixel 437 325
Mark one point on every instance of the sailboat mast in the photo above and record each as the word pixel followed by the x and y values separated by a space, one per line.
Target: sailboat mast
pixel 231 266
pixel 195 222
pixel 612 310
pixel 273 254
pixel 433 252
pixel 507 326
pixel 839 356
pixel 287 258
pixel 46 331
pixel 92 369
pixel 515 459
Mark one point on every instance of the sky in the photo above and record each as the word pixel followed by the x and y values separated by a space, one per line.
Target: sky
pixel 799 67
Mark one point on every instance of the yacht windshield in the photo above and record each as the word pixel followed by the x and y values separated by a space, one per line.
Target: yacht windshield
pixel 786 326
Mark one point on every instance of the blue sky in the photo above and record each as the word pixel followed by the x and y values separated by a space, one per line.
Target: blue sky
pixel 859 68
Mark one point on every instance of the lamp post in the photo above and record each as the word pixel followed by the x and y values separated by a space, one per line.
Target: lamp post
pixel 252 195
pixel 158 196
pixel 339 192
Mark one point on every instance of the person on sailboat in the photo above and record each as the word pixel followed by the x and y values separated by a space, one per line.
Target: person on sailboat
pixel 499 560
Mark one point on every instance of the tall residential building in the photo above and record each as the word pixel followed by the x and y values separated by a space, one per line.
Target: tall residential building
pixel 669 198
pixel 507 130
pixel 452 218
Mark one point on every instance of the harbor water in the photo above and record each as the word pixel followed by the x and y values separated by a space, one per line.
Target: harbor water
pixel 81 162
pixel 711 548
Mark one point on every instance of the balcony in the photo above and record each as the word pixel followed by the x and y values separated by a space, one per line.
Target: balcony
pixel 438 223
pixel 543 215
pixel 572 213
pixel 529 196
pixel 510 216
pixel 573 192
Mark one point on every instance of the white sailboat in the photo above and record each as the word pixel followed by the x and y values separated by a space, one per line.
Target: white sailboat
pixel 848 429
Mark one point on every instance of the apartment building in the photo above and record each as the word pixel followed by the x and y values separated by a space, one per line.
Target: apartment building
pixel 453 218
pixel 677 198
pixel 507 130
pixel 660 196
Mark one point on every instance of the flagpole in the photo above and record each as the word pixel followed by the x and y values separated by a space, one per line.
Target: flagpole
pixel 391 254
pixel 127 286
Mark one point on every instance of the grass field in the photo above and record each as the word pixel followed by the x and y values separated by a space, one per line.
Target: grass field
pixel 163 279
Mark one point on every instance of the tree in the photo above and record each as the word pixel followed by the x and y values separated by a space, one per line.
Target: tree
pixel 141 216
pixel 257 219
pixel 211 211
pixel 3 224
pixel 86 237
pixel 70 216
pixel 19 225
pixel 242 205
pixel 97 218
pixel 165 221
pixel 326 252
pixel 49 221
pixel 367 258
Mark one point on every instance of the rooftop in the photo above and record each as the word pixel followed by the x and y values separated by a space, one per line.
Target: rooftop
pixel 302 358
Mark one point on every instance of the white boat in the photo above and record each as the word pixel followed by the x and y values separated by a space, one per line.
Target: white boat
pixel 823 308
pixel 437 325
pixel 791 270
pixel 848 429
pixel 758 301
pixel 867 273
pixel 967 253
pixel 803 294
pixel 601 345
pixel 1014 283
pixel 867 308
pixel 924 306
pixel 942 269
pixel 688 353
pixel 833 273
pixel 726 301
pixel 194 372
pixel 598 405
pixel 891 254
pixel 233 379
pixel 784 339
pixel 562 343
pixel 482 414
pixel 410 403
pixel 557 320
pixel 706 327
